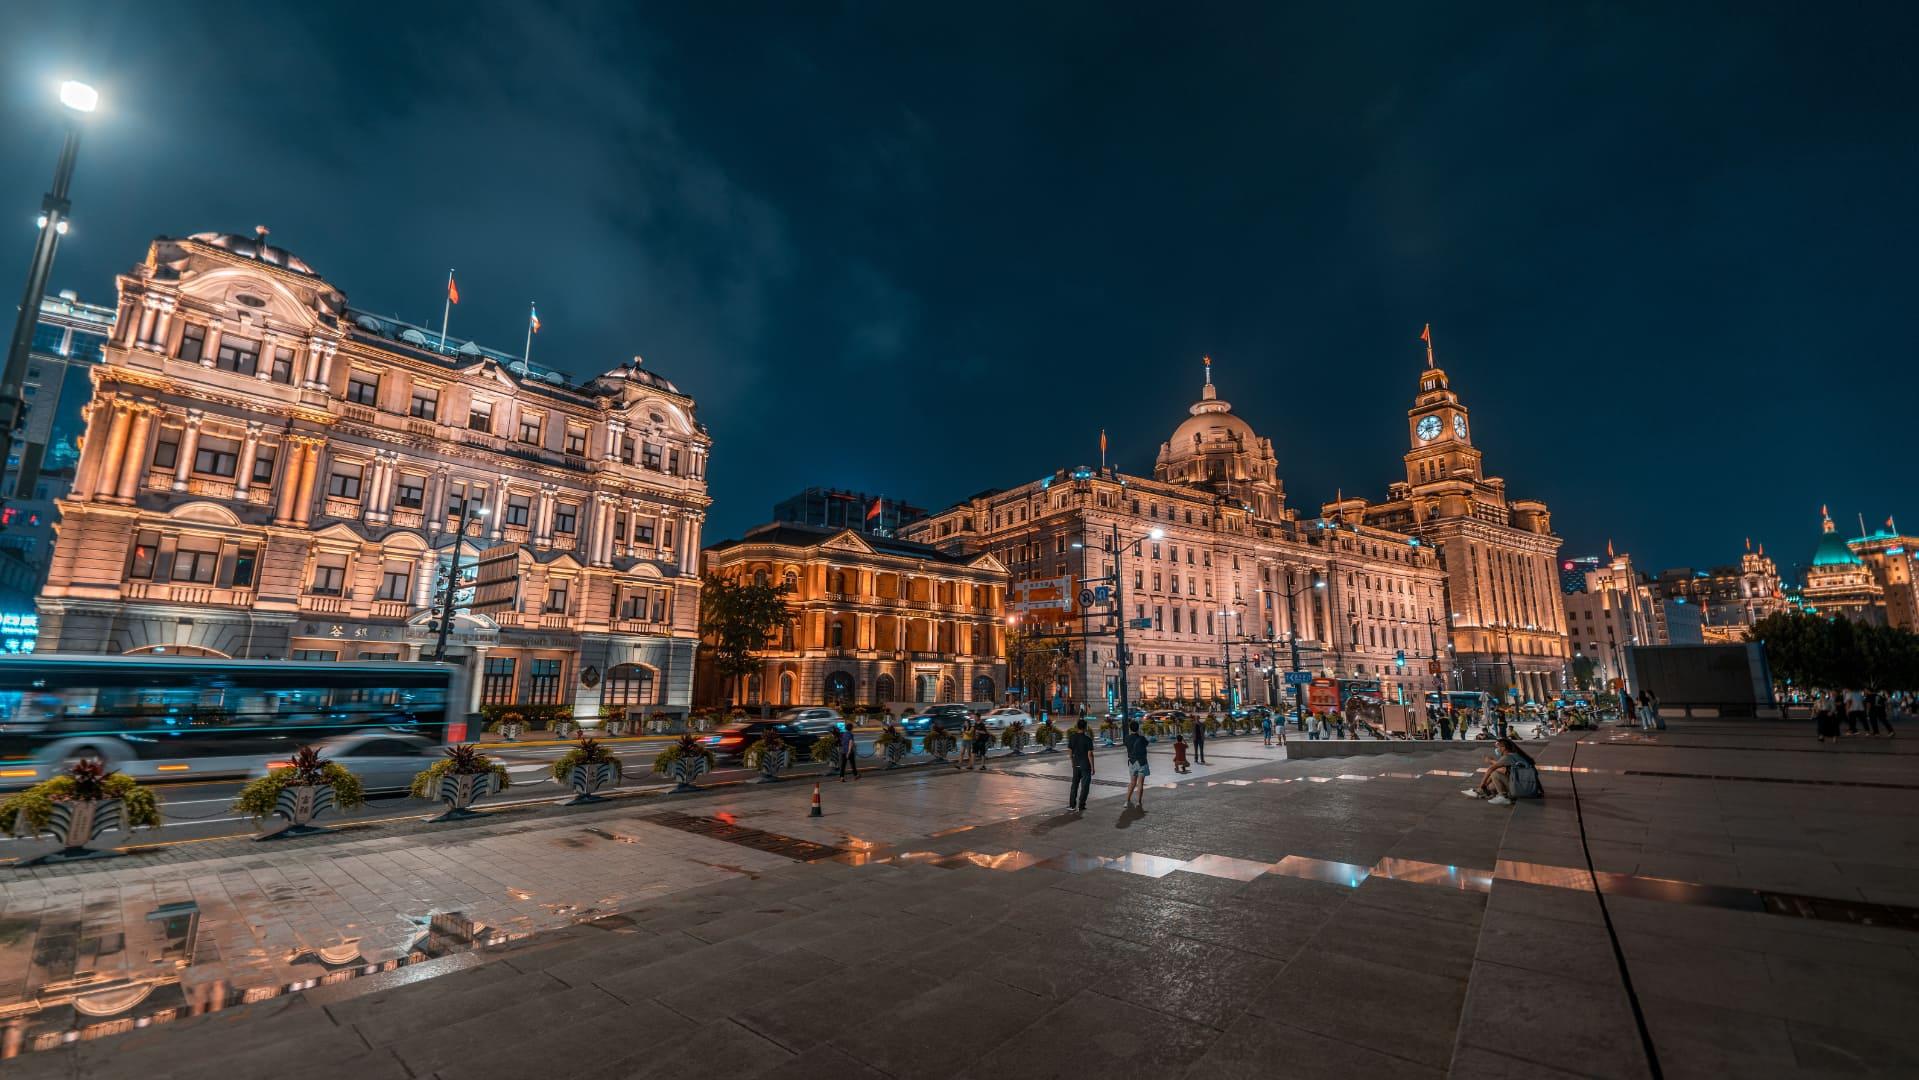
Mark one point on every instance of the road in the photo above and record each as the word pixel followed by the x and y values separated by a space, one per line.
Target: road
pixel 203 809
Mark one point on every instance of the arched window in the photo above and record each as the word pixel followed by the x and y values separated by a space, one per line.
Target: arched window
pixel 836 635
pixel 628 685
pixel 786 688
pixel 759 577
pixel 946 689
pixel 883 690
pixel 791 581
pixel 752 689
pixel 983 688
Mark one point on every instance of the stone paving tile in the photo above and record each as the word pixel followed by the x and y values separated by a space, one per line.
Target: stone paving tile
pixel 802 1018
pixel 1390 1009
pixel 1256 1047
pixel 1580 1027
pixel 977 1012
pixel 1092 1035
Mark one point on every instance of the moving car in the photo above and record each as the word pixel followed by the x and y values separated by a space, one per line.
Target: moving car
pixel 1006 716
pixel 815 719
pixel 950 716
pixel 729 743
pixel 383 760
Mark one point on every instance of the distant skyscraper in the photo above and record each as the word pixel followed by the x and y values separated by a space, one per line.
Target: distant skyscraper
pixel 58 383
pixel 1893 559
pixel 1573 571
pixel 832 508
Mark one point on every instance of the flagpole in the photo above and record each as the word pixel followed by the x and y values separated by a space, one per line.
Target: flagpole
pixel 446 311
pixel 531 307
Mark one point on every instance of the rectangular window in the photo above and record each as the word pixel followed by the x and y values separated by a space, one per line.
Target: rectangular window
pixel 283 365
pixel 216 457
pixel 650 456
pixel 643 532
pixel 518 509
pixel 329 576
pixel 673 460
pixel 344 483
pixel 193 342
pixel 312 655
pixel 461 493
pixel 263 464
pixel 496 684
pixel 410 492
pixel 575 439
pixel 196 561
pixel 241 361
pixel 543 682
pixel 530 425
pixel 426 403
pixel 238 354
pixel 363 388
pixel 140 561
pixel 556 595
pixel 395 581
pixel 564 517
pixel 659 606
pixel 480 417
pixel 166 449
pixel 666 535
pixel 626 449
pixel 245 562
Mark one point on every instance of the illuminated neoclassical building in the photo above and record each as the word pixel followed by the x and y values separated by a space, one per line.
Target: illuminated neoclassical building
pixel 1839 584
pixel 268 472
pixel 876 621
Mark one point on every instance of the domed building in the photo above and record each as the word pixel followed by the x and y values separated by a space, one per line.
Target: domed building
pixel 1839 583
pixel 1217 451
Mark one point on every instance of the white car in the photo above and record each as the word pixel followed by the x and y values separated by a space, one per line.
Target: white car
pixel 1005 717
pixel 383 760
pixel 815 720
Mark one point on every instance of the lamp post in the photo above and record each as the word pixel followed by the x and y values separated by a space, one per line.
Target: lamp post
pixel 1292 635
pixel 1119 612
pixel 79 98
pixel 453 575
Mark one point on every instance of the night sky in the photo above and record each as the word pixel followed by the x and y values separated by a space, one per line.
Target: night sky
pixel 930 249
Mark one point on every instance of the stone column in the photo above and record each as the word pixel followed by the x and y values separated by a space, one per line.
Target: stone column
pixel 212 347
pixel 113 449
pixel 189 443
pixel 303 494
pixel 149 315
pixel 99 417
pixel 497 516
pixel 614 430
pixel 133 457
pixel 249 452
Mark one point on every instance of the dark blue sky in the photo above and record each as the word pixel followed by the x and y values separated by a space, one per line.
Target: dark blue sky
pixel 1668 258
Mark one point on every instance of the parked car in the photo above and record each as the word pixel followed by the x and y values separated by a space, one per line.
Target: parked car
pixel 384 761
pixel 1006 716
pixel 729 743
pixel 950 716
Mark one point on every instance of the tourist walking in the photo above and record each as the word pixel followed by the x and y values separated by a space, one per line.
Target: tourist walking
pixel 1136 768
pixel 1445 723
pixel 849 752
pixel 1079 744
pixel 1855 711
pixel 1879 712
pixel 1266 728
pixel 1199 739
pixel 1826 718
pixel 966 744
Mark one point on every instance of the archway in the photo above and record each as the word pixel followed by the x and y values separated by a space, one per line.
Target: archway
pixel 839 688
pixel 946 689
pixel 883 690
pixel 628 686
pixel 982 688
pixel 786 688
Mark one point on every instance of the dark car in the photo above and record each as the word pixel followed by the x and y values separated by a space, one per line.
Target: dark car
pixel 729 743
pixel 950 716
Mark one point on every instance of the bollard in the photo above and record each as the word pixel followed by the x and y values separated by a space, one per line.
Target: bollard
pixel 816 801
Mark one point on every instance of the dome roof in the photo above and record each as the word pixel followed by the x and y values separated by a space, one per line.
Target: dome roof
pixel 255 247
pixel 1211 427
pixel 1833 549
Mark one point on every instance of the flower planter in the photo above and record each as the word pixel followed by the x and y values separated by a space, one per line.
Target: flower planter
pixel 459 791
pixel 614 728
pixel 77 823
pixel 1017 744
pixel 295 811
pixel 896 751
pixel 773 763
pixel 511 730
pixel 587 780
pixel 686 771
pixel 939 746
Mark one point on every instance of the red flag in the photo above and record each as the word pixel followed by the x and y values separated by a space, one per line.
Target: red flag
pixel 874 510
pixel 1426 335
pixel 452 290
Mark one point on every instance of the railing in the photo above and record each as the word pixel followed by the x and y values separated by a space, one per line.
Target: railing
pixel 408 519
pixel 481 438
pixel 419 426
pixel 390 609
pixel 556 621
pixel 341 508
pixel 323 605
pixel 354 411
pixel 185 594
pixel 260 496
pixel 216 489
pixel 514 534
pixel 639 626
pixel 160 481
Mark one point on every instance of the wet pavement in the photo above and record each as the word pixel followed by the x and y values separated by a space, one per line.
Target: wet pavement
pixel 1352 915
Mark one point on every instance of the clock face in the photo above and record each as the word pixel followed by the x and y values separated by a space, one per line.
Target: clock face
pixel 1428 429
pixel 1459 426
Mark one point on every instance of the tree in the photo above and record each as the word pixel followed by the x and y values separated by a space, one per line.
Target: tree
pixel 1816 653
pixel 1039 662
pixel 1583 668
pixel 738 619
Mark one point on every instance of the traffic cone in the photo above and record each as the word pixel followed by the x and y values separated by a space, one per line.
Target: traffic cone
pixel 816 801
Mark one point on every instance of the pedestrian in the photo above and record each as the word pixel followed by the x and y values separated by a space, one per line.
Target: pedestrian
pixel 1825 719
pixel 966 744
pixel 1446 723
pixel 1855 711
pixel 1079 745
pixel 1137 769
pixel 1266 728
pixel 849 752
pixel 982 742
pixel 1179 754
pixel 1199 739
pixel 1879 712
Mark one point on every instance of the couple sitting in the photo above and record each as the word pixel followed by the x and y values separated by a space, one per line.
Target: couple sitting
pixel 1511 774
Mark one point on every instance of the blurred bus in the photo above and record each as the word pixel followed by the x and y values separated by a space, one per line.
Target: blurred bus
pixel 178 717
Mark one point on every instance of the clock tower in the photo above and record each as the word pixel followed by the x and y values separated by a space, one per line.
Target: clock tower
pixel 1441 435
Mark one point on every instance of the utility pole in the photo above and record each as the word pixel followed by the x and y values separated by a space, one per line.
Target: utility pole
pixel 452 577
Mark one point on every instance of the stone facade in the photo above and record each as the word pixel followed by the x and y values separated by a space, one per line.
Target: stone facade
pixel 877 621
pixel 1500 554
pixel 1730 598
pixel 270 473
pixel 1893 559
pixel 1228 584
pixel 1839 584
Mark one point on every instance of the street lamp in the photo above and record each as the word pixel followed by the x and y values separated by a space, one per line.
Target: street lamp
pixel 79 98
pixel 453 575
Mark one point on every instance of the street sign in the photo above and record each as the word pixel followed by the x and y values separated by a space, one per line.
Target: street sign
pixel 1139 624
pixel 497 578
pixel 1093 597
pixel 1299 678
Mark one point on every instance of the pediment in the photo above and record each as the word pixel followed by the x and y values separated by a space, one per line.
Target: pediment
pixel 847 540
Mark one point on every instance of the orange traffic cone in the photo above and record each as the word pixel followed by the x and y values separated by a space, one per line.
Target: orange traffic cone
pixel 816 801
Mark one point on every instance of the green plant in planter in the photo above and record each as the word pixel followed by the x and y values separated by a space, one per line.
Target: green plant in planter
pixel 1046 734
pixel 824 746
pixel 462 760
pixel 682 747
pixel 769 742
pixel 1014 737
pixel 86 781
pixel 585 752
pixel 890 735
pixel 306 769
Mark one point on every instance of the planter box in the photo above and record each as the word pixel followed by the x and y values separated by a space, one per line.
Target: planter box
pixel 587 780
pixel 687 770
pixel 460 791
pixel 75 825
pixel 773 763
pixel 296 809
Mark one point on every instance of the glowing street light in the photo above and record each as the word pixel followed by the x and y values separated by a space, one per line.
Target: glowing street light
pixel 78 96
